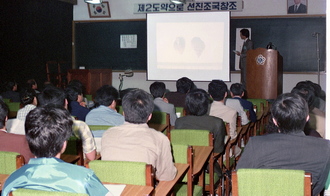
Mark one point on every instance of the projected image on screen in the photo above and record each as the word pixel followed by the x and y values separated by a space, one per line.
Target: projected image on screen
pixel 195 45
pixel 189 49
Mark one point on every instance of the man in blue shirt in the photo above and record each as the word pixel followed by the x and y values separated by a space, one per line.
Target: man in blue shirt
pixel 47 130
pixel 237 92
pixel 105 113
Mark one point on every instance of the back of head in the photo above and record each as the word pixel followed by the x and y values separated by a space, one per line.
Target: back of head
pixel 46 129
pixel 78 84
pixel 137 106
pixel 10 85
pixel 217 89
pixel 3 113
pixel 290 112
pixel 72 93
pixel 51 95
pixel 157 89
pixel 306 92
pixel 27 96
pixel 106 95
pixel 197 102
pixel 184 85
pixel 30 83
pixel 245 32
pixel 237 89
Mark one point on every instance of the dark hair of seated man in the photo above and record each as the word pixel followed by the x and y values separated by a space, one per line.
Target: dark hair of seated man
pixel 197 102
pixel 157 89
pixel 46 129
pixel 106 95
pixel 137 106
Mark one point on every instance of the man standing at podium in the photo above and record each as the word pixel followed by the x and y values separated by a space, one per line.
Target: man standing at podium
pixel 247 45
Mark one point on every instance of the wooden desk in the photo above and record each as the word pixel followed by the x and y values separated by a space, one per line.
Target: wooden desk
pixel 3 178
pixel 70 158
pixel 201 157
pixel 166 187
pixel 135 190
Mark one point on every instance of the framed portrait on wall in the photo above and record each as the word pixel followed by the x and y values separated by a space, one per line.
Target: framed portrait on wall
pixel 99 10
pixel 297 6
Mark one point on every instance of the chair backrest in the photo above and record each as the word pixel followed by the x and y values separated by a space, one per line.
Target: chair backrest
pixel 13 108
pixel 89 97
pixel 184 154
pixel 31 192
pixel 74 147
pixel 6 100
pixel 124 172
pixel 271 182
pixel 159 118
pixel 98 130
pixel 193 137
pixel 260 103
pixel 10 162
pixel 119 109
pixel 180 110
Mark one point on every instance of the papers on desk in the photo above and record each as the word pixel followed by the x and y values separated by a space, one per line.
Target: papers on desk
pixel 115 189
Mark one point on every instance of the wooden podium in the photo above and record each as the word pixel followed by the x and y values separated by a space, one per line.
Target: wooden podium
pixel 264 74
pixel 92 79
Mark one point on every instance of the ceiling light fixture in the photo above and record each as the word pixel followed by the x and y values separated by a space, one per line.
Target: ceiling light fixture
pixel 93 1
pixel 178 1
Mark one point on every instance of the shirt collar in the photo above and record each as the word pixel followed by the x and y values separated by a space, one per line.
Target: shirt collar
pixel 45 160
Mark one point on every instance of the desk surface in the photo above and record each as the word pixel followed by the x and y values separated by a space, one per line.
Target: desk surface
pixel 165 187
pixel 135 190
pixel 201 157
pixel 3 178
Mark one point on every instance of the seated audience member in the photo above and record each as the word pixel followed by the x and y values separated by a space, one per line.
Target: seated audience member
pixel 218 91
pixel 157 90
pixel 56 96
pixel 288 147
pixel 316 116
pixel 183 86
pixel 11 92
pixel 237 92
pixel 76 105
pixel 135 141
pixel 105 113
pixel 197 104
pixel 29 101
pixel 47 130
pixel 12 142
pixel 319 100
pixel 32 84
pixel 78 84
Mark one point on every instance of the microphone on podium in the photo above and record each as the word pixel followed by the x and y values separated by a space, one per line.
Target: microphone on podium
pixel 315 34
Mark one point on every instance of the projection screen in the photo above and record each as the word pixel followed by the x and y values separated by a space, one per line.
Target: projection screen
pixel 188 44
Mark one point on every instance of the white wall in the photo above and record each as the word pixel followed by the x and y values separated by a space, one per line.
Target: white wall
pixel 139 80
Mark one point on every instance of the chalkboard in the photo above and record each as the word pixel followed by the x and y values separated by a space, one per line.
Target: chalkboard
pixel 292 37
pixel 97 44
